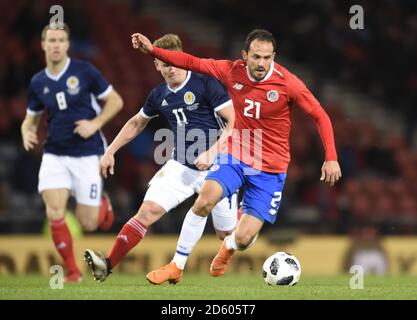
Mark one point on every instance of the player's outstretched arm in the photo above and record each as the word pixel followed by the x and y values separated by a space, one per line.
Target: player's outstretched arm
pixel 175 58
pixel 113 103
pixel 29 130
pixel 215 68
pixel 133 127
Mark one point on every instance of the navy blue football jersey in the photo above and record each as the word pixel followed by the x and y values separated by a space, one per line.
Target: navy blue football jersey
pixel 191 112
pixel 68 97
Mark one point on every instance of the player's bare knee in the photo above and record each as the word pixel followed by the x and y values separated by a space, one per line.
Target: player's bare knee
pixel 149 213
pixel 243 240
pixel 203 206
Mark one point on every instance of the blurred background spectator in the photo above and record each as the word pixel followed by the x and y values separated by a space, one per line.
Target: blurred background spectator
pixel 366 80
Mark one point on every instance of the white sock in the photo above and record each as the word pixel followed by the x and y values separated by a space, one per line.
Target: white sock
pixel 232 245
pixel 231 242
pixel 191 231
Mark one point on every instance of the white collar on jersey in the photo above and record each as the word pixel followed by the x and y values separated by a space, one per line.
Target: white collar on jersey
pixel 59 75
pixel 182 85
pixel 268 75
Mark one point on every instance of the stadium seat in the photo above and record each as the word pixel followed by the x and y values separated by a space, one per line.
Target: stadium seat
pixel 373 187
pixel 360 206
pixel 407 205
pixel 383 207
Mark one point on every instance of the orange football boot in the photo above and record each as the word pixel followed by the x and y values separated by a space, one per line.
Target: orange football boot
pixel 222 260
pixel 170 273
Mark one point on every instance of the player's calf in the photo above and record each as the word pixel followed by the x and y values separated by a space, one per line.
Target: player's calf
pixel 149 212
pixel 87 216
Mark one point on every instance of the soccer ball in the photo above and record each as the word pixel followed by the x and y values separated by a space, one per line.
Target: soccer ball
pixel 281 269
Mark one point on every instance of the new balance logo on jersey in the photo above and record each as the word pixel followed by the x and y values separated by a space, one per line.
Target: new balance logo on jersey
pixel 164 103
pixel 45 90
pixel 238 86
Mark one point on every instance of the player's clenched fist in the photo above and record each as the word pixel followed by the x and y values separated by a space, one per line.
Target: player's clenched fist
pixel 139 41
pixel 106 164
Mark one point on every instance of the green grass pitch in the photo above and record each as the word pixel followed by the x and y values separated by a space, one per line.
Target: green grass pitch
pixel 204 287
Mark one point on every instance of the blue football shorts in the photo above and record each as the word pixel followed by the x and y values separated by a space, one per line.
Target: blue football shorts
pixel 262 191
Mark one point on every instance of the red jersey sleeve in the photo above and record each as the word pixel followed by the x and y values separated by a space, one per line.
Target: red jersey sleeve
pixel 304 99
pixel 215 68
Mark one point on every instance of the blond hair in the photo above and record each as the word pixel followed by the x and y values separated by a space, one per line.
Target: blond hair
pixel 55 27
pixel 169 41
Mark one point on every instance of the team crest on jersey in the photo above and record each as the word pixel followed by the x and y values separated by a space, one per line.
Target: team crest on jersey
pixel 73 85
pixel 189 97
pixel 214 168
pixel 272 95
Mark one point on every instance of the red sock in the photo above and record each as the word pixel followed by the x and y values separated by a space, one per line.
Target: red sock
pixel 102 211
pixel 63 243
pixel 130 235
pixel 105 214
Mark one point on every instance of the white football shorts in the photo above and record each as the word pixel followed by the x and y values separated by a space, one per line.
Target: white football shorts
pixel 80 175
pixel 174 183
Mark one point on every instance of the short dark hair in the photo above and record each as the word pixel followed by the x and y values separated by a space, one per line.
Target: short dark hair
pixel 52 26
pixel 262 35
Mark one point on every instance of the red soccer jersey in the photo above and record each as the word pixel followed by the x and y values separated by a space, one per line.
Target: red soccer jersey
pixel 262 109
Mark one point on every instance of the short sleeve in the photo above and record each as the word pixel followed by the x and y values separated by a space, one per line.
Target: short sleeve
pixel 100 87
pixel 216 94
pixel 150 108
pixel 35 106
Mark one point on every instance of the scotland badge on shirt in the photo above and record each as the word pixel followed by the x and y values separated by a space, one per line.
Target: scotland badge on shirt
pixel 73 85
pixel 189 97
